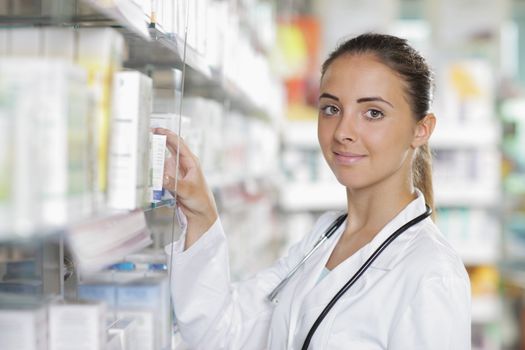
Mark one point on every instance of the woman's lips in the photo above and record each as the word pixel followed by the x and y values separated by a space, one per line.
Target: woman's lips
pixel 346 158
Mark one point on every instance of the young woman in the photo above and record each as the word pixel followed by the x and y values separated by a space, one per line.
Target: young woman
pixel 373 127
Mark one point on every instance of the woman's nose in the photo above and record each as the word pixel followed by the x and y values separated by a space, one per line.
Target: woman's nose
pixel 346 130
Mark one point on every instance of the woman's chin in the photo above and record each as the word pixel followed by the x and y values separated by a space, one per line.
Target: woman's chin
pixel 351 183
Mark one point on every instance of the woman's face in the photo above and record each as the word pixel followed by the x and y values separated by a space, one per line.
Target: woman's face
pixel 365 126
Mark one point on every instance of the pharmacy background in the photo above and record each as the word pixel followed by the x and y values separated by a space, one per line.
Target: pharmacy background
pixel 84 218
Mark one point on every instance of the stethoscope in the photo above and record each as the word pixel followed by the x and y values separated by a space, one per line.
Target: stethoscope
pixel 326 235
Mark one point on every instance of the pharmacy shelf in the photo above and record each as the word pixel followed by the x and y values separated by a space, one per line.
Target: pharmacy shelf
pixel 486 309
pixel 127 13
pixel 514 185
pixel 466 195
pixel 217 181
pixel 26 242
pixel 162 204
pixel 513 271
pixel 300 134
pixel 50 233
pixel 315 196
pixel 149 47
pixel 477 254
pixel 95 13
pixel 469 135
pixel 514 242
pixel 32 236
pixel 167 51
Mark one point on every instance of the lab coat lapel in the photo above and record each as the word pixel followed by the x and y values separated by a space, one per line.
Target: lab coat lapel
pixel 310 275
pixel 319 296
pixel 395 250
pixel 330 285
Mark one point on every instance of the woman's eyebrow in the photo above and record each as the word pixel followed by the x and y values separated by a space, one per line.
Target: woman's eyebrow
pixel 327 95
pixel 373 98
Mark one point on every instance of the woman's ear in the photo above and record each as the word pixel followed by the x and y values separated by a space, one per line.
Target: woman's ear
pixel 424 129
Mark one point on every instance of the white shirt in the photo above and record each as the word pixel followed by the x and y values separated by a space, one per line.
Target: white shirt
pixel 415 296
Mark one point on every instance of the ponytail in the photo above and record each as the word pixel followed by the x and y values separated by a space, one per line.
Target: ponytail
pixel 422 175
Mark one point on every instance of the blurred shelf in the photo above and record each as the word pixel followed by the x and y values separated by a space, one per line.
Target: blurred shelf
pixel 31 238
pixel 48 233
pixel 486 309
pixel 472 135
pixel 469 195
pixel 10 301
pixel 514 185
pixel 512 270
pixel 127 13
pixel 479 254
pixel 150 47
pixel 300 134
pixel 163 203
pixel 217 181
pixel 167 51
pixel 95 13
pixel 164 50
pixel 313 196
pixel 240 100
pixel 515 249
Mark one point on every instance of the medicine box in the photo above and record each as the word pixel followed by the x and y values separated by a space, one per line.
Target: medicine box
pixel 23 328
pixel 129 150
pixel 81 322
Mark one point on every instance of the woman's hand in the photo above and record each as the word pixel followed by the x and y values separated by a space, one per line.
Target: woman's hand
pixel 193 195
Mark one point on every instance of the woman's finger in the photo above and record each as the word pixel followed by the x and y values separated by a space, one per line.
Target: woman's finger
pixel 172 141
pixel 169 183
pixel 186 158
pixel 183 187
pixel 170 173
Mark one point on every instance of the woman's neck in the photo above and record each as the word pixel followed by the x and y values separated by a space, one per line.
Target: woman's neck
pixel 370 209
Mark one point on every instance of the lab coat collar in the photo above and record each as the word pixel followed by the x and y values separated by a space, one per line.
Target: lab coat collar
pixel 310 295
pixel 388 258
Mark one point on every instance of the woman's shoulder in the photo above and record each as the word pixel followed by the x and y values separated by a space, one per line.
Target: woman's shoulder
pixel 431 254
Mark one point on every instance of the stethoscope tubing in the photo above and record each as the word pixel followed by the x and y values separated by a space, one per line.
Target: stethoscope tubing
pixel 272 297
pixel 361 271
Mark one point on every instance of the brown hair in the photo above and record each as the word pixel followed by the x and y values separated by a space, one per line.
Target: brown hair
pixel 395 53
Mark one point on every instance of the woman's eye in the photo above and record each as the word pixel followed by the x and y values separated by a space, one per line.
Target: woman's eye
pixel 374 114
pixel 329 110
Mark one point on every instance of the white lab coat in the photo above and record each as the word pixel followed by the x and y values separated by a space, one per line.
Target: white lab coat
pixel 415 296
